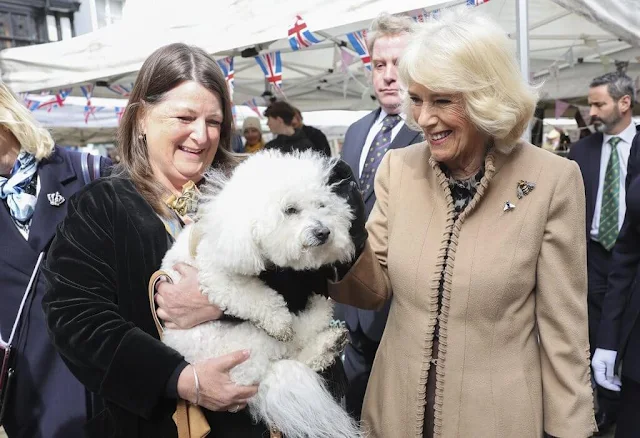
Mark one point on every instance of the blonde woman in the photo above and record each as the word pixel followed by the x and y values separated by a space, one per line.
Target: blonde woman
pixel 479 237
pixel 36 181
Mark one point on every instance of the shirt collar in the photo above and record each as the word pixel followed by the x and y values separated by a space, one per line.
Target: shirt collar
pixel 383 114
pixel 626 135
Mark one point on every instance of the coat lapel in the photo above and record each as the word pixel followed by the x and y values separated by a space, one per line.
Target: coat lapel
pixel 54 173
pixel 352 154
pixel 405 137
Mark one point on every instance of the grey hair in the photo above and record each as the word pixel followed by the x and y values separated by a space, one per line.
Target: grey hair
pixel 618 85
pixel 388 25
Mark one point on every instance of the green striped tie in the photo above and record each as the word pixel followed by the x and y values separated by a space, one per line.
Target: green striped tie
pixel 608 230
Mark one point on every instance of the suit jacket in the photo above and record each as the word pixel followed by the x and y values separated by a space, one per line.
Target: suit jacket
pixel 97 310
pixel 46 400
pixel 587 153
pixel 514 350
pixel 619 327
pixel 371 323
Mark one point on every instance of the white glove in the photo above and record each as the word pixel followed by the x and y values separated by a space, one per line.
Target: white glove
pixel 603 364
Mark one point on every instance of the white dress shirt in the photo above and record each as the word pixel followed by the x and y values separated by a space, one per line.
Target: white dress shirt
pixel 375 128
pixel 624 148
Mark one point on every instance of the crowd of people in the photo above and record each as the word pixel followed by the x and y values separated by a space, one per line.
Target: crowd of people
pixel 490 276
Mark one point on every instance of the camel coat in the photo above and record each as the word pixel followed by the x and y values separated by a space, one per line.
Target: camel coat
pixel 514 351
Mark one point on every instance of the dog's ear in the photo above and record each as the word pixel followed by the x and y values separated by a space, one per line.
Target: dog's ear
pixel 229 235
pixel 240 249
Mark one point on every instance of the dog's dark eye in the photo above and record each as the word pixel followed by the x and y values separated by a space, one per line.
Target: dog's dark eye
pixel 321 205
pixel 290 210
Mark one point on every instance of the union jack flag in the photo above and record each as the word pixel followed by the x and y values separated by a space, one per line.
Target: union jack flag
pixel 476 2
pixel 300 36
pixel 120 112
pixel 57 101
pixel 120 89
pixel 271 66
pixel 359 42
pixel 226 65
pixel 31 105
pixel 87 91
pixel 253 105
pixel 90 110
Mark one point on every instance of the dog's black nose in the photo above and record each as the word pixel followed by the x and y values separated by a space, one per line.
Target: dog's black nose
pixel 322 234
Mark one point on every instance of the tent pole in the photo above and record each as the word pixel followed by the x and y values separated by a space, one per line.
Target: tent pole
pixel 522 26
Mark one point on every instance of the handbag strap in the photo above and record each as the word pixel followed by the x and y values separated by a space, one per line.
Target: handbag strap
pixel 24 298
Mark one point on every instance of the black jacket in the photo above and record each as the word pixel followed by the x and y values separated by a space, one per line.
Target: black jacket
pixel 319 140
pixel 45 399
pixel 619 325
pixel 97 310
pixel 289 143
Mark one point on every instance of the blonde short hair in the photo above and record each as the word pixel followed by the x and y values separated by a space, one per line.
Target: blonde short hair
pixel 465 52
pixel 17 119
pixel 387 25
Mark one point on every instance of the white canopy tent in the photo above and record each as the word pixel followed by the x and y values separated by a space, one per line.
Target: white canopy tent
pixel 567 39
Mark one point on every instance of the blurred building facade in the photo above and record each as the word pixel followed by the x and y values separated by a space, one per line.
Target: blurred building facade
pixel 28 22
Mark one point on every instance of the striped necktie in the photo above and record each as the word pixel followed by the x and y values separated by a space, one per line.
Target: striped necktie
pixel 608 229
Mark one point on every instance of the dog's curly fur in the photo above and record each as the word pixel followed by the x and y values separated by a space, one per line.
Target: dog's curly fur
pixel 276 210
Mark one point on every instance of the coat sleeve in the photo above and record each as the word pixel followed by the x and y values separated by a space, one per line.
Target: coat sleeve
pixel 625 260
pixel 561 312
pixel 108 354
pixel 367 284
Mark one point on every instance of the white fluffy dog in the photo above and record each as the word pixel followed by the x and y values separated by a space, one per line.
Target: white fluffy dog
pixel 275 210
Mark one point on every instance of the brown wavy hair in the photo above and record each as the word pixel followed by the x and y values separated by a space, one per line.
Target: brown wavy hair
pixel 165 69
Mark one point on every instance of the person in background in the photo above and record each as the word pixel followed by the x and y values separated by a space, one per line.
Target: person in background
pixel 178 125
pixel 37 179
pixel 365 143
pixel 603 158
pixel 252 131
pixel 619 332
pixel 317 137
pixel 478 235
pixel 236 143
pixel 280 121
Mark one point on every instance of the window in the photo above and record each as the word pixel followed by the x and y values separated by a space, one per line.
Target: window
pixel 17 29
pixel 52 28
pixel 65 27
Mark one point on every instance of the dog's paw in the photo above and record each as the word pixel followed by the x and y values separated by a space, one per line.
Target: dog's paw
pixel 279 328
pixel 324 348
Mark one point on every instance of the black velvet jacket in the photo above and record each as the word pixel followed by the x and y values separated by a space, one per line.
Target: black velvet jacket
pixel 98 313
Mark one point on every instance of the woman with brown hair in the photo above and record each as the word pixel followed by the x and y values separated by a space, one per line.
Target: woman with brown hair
pixel 178 124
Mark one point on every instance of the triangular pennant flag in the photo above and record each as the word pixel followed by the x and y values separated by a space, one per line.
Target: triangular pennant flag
pixel 253 105
pixel 561 107
pixel 584 112
pixel 346 59
pixel 119 112
pixel 226 65
pixel 271 65
pixel 57 101
pixel 300 36
pixel 359 42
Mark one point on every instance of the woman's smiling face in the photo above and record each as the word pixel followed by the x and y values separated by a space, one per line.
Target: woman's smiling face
pixel 453 138
pixel 183 132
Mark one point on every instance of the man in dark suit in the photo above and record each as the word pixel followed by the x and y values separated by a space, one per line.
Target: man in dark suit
pixel 619 332
pixel 366 142
pixel 603 159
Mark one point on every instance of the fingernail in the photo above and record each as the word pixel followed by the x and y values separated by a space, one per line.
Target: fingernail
pixel 246 353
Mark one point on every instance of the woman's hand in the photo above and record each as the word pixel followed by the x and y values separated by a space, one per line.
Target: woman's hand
pixel 182 305
pixel 216 390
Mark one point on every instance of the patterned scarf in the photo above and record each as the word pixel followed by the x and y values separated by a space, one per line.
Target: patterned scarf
pixel 13 190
